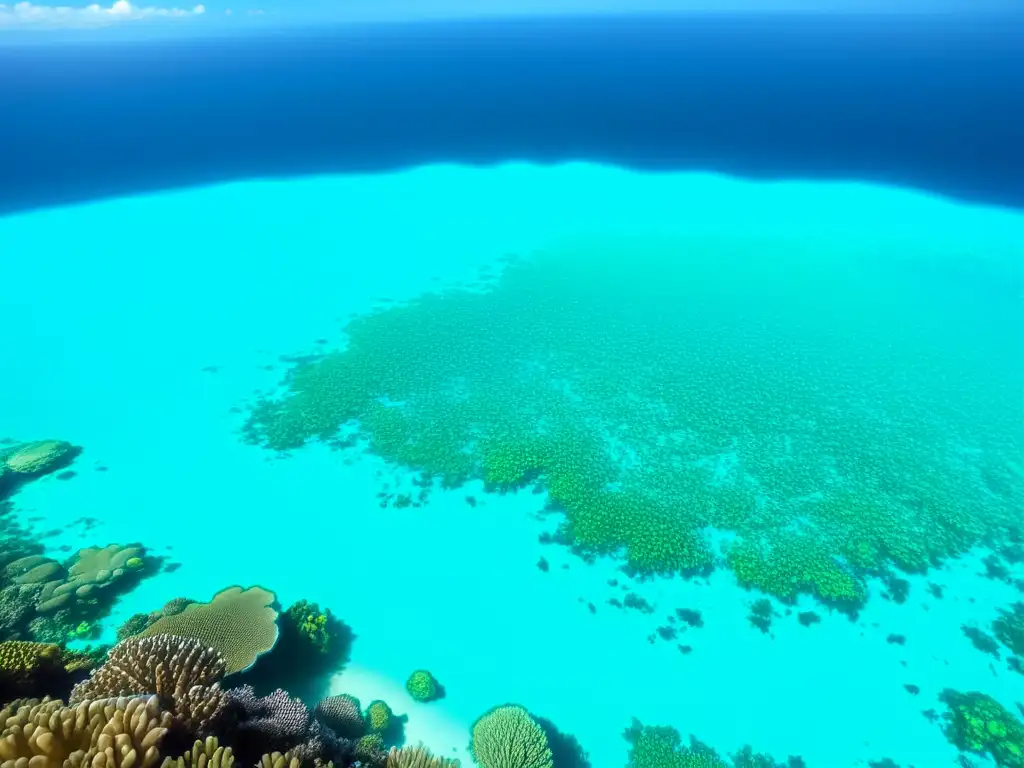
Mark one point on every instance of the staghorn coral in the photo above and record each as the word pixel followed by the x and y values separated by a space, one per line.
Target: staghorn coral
pixel 241 624
pixel 342 714
pixel 107 733
pixel 417 757
pixel 204 754
pixel 422 686
pixel 181 671
pixel 507 737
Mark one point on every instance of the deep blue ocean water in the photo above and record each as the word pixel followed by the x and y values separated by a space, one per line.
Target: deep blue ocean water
pixel 934 103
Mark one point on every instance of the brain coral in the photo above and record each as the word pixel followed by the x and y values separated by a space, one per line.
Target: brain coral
pixel 181 671
pixel 241 624
pixel 113 733
pixel 507 737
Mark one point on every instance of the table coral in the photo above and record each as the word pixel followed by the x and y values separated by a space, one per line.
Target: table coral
pixel 38 457
pixel 241 624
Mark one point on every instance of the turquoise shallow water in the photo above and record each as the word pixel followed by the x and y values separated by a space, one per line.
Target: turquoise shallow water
pixel 142 328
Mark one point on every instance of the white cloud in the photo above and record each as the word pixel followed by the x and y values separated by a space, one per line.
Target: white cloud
pixel 30 14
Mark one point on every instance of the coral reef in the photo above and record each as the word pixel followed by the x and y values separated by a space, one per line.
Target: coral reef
pixel 975 722
pixel 343 715
pixel 138 623
pixel 311 643
pixel 507 737
pixel 28 668
pixel 379 717
pixel 311 624
pixel 662 747
pixel 422 686
pixel 116 733
pixel 241 624
pixel 80 589
pixel 25 461
pixel 181 671
pixel 417 757
pixel 651 421
pixel 204 754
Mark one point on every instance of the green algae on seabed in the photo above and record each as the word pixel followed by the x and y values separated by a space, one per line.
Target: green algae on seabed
pixel 842 411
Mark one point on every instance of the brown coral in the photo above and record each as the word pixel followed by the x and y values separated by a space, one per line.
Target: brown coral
pixel 239 623
pixel 110 733
pixel 417 757
pixel 27 668
pixel 38 457
pixel 204 754
pixel 181 671
pixel 91 574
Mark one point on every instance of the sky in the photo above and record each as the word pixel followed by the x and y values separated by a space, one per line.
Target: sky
pixel 39 16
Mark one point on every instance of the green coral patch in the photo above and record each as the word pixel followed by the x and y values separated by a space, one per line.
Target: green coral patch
pixel 834 406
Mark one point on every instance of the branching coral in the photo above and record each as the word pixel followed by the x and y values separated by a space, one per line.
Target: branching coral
pixel 267 724
pixel 241 624
pixel 114 733
pixel 507 737
pixel 417 757
pixel 181 671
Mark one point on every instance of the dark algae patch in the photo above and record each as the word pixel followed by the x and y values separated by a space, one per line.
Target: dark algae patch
pixel 981 640
pixel 798 398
